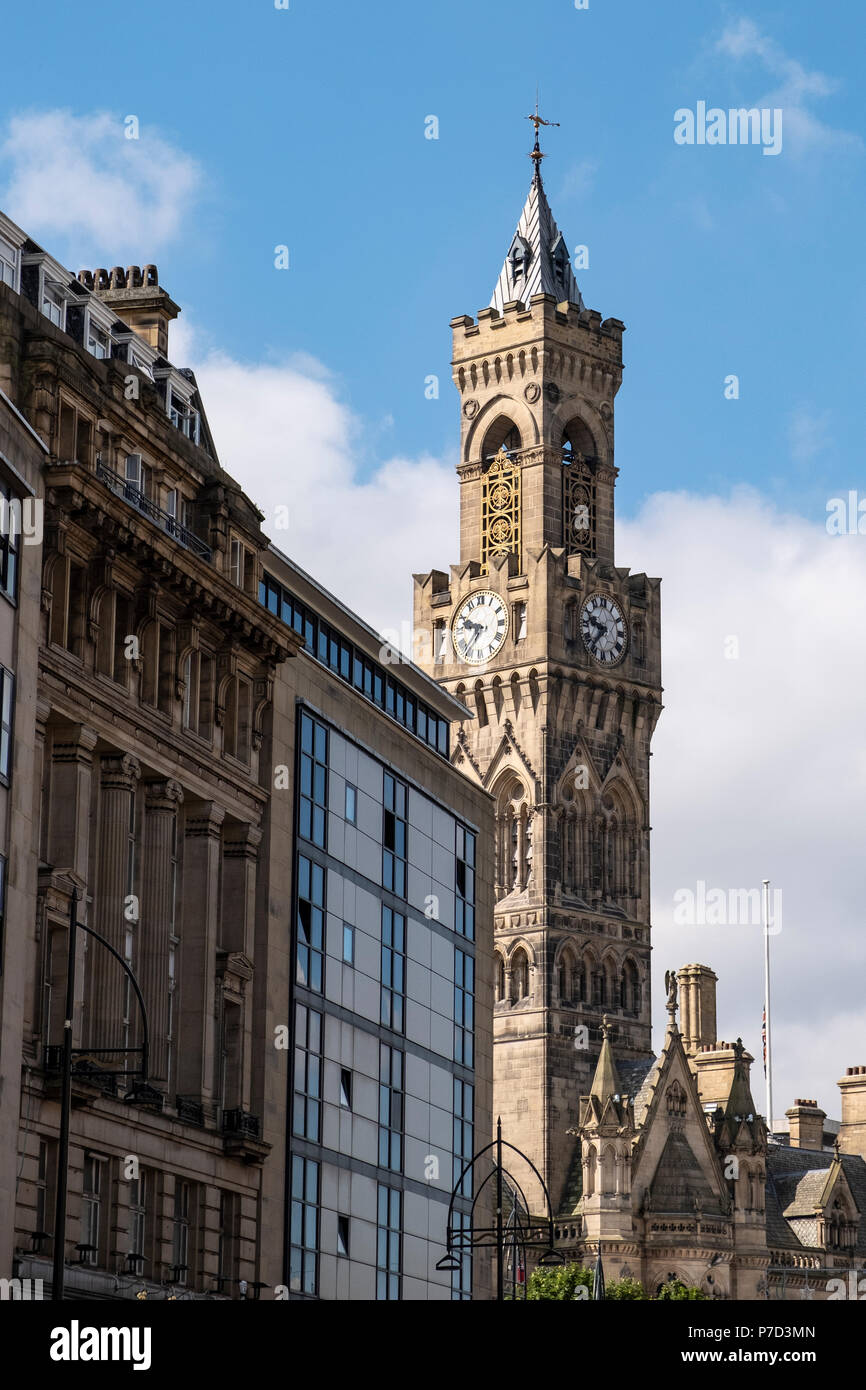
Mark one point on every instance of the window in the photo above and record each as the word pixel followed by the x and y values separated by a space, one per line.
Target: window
pixel 307 1113
pixel 68 605
pixel 519 621
pixel 75 435
pixel 241 562
pixel 464 905
pixel 394 837
pixel 43 1204
pixel 440 641
pixel 190 690
pixel 182 415
pixel 10 528
pixel 227 1253
pixel 138 1242
pixel 345 1088
pixel 464 1009
pixel 388 1252
pixel 311 916
pixel 237 726
pixel 7 701
pixel 8 263
pixel 198 693
pixel 170 507
pixel 304 1234
pixel 173 944
pixel 390 1108
pixel 348 943
pixel 157 684
pixel 351 804
pixel 129 926
pixel 97 340
pixel 137 480
pixel 91 1208
pixel 343 1235
pixel 464 1129
pixel 54 303
pixel 461 1279
pixel 393 977
pixel 312 820
pixel 182 1249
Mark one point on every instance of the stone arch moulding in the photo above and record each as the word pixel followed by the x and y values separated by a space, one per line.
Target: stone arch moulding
pixel 515 410
pixel 568 411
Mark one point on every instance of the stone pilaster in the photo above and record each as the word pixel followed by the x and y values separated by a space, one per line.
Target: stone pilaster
pixel 240 858
pixel 201 882
pixel 119 776
pixel 158 908
pixel 68 837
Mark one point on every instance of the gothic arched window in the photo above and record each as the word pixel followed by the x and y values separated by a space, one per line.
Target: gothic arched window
pixel 520 974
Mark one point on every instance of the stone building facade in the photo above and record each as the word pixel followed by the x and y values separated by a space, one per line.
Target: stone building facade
pixel 155 781
pixel 556 650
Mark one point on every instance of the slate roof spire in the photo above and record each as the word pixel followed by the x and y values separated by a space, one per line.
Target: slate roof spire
pixel 538 260
pixel 606 1082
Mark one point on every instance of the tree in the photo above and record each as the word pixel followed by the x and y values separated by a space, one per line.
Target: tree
pixel 675 1289
pixel 559 1283
pixel 631 1289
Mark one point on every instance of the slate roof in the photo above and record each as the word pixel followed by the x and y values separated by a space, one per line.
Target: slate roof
pixel 537 227
pixel 787 1169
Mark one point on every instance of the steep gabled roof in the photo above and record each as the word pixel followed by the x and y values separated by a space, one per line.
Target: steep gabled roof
pixel 540 248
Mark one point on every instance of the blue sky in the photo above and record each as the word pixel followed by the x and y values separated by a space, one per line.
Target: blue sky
pixel 307 127
pixel 262 127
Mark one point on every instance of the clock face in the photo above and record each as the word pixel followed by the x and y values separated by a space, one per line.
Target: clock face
pixel 603 629
pixel 479 627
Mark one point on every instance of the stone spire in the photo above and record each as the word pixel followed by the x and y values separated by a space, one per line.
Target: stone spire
pixel 538 260
pixel 606 1082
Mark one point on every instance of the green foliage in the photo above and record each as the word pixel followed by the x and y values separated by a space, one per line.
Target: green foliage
pixel 558 1282
pixel 675 1289
pixel 631 1289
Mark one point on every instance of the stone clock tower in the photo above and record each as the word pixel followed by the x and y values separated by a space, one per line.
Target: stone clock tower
pixel 556 651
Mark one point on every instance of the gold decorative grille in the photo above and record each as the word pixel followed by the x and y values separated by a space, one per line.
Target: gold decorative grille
pixel 500 510
pixel 578 505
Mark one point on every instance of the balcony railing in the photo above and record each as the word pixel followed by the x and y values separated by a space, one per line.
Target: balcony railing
pixel 239 1122
pixel 122 487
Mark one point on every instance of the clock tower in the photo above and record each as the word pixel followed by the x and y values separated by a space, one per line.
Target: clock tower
pixel 556 651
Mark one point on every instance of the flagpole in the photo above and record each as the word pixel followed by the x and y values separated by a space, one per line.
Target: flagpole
pixel 769 1054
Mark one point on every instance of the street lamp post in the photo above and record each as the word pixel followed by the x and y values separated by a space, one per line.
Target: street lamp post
pixel 538 1235
pixel 59 1266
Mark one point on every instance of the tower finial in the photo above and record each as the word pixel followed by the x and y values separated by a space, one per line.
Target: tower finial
pixel 536 154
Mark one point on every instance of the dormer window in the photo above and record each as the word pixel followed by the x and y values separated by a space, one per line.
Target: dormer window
pixel 182 415
pixel 518 258
pixel 97 340
pixel 242 565
pixel 559 253
pixel 8 263
pixel 54 303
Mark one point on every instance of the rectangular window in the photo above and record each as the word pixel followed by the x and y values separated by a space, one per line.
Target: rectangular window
pixel 183 1231
pixel 53 303
pixel 304 1235
pixel 461 1279
pixel 227 1253
pixel 464 906
pixel 10 528
pixel 393 976
pixel 97 340
pixel 312 818
pixel 91 1208
pixel 351 804
pixel 241 563
pixel 390 1108
pixel 464 1009
pixel 345 1088
pixel 519 620
pixel 8 264
pixel 311 919
pixel 388 1244
pixel 343 1236
pixel 394 837
pixel 307 1111
pixel 348 944
pixel 140 1195
pixel 464 1132
pixel 7 706
pixel 43 1202
pixel 440 641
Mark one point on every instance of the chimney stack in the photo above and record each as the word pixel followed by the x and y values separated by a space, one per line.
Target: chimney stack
pixel 807 1124
pixel 136 296
pixel 697 1006
pixel 852 1134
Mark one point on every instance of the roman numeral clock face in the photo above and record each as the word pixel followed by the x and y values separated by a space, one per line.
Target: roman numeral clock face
pixel 603 629
pixel 479 628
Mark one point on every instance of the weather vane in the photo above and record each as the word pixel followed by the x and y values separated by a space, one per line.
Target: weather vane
pixel 536 156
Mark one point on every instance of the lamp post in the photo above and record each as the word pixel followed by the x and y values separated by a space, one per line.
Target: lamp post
pixel 532 1235
pixel 59 1266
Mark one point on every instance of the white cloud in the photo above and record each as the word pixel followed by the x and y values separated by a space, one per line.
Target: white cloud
pixel 794 85
pixel 80 179
pixel 809 434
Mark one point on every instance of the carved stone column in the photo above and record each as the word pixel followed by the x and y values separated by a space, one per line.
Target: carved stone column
pixel 67 843
pixel 119 776
pixel 201 874
pixel 158 908
pixel 240 856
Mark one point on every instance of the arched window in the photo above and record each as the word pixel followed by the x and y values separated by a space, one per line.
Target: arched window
pixel 579 465
pixel 500 504
pixel 500 978
pixel 480 704
pixel 520 975
pixel 631 993
pixel 608 1172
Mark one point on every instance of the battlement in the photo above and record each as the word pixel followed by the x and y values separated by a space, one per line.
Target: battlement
pixel 543 312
